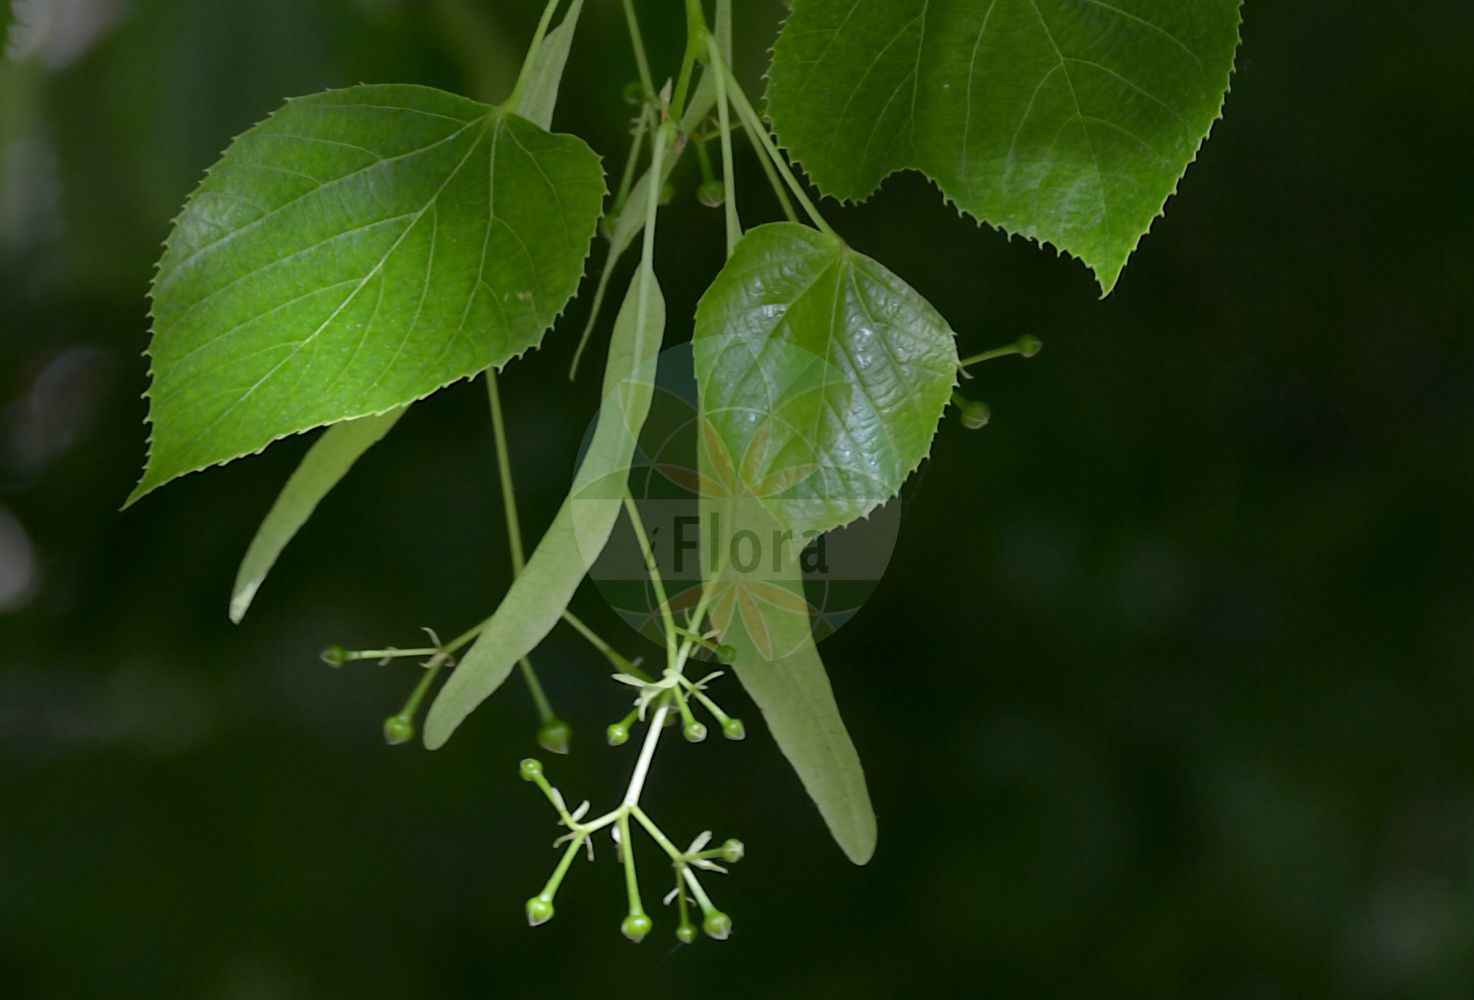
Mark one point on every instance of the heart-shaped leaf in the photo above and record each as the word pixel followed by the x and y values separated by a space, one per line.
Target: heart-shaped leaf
pixel 1066 121
pixel 822 373
pixel 356 251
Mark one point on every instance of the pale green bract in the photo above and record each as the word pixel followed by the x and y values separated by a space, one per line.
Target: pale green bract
pixel 326 462
pixel 581 528
pixel 761 611
pixel 823 374
pixel 797 702
pixel 356 251
pixel 540 93
pixel 1065 121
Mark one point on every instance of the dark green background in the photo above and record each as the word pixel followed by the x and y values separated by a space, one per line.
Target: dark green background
pixel 1168 692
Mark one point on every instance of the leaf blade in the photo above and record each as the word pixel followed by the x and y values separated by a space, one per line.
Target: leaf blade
pixel 1066 121
pixel 823 373
pixel 356 251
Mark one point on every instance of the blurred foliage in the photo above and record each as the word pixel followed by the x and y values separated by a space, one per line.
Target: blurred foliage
pixel 1167 692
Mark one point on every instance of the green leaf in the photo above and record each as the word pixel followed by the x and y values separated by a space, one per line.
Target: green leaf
pixel 540 92
pixel 1066 121
pixel 760 611
pixel 577 536
pixel 822 373
pixel 356 251
pixel 328 460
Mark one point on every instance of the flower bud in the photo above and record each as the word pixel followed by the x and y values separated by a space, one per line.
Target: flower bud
pixel 636 926
pixel 398 729
pixel 539 910
pixel 976 414
pixel 617 734
pixel 667 193
pixel 733 729
pixel 694 732
pixel 334 655
pixel 1029 345
pixel 717 925
pixel 530 768
pixel 733 851
pixel 686 934
pixel 554 736
pixel 712 193
pixel 634 93
pixel 726 654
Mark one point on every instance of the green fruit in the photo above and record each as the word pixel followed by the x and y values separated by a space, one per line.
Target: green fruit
pixel 636 926
pixel 712 193
pixel 976 414
pixel 617 735
pixel 694 732
pixel 334 655
pixel 539 910
pixel 398 729
pixel 717 925
pixel 530 768
pixel 554 736
pixel 733 729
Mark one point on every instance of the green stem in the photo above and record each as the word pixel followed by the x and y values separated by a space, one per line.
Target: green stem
pixel 656 834
pixel 418 694
pixel 773 180
pixel 594 639
pixel 695 34
pixel 532 53
pixel 729 176
pixel 722 717
pixel 386 654
pixel 631 878
pixel 594 309
pixel 551 889
pixel 514 531
pixel 642 65
pixel 504 471
pixel 702 899
pixel 647 751
pixel 627 179
pixel 1027 345
pixel 754 126
pixel 656 583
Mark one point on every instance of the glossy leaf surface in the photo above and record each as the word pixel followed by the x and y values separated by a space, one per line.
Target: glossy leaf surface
pixel 822 373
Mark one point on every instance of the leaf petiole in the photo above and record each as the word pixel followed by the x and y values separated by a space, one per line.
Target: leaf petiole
pixel 729 176
pixel 755 128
